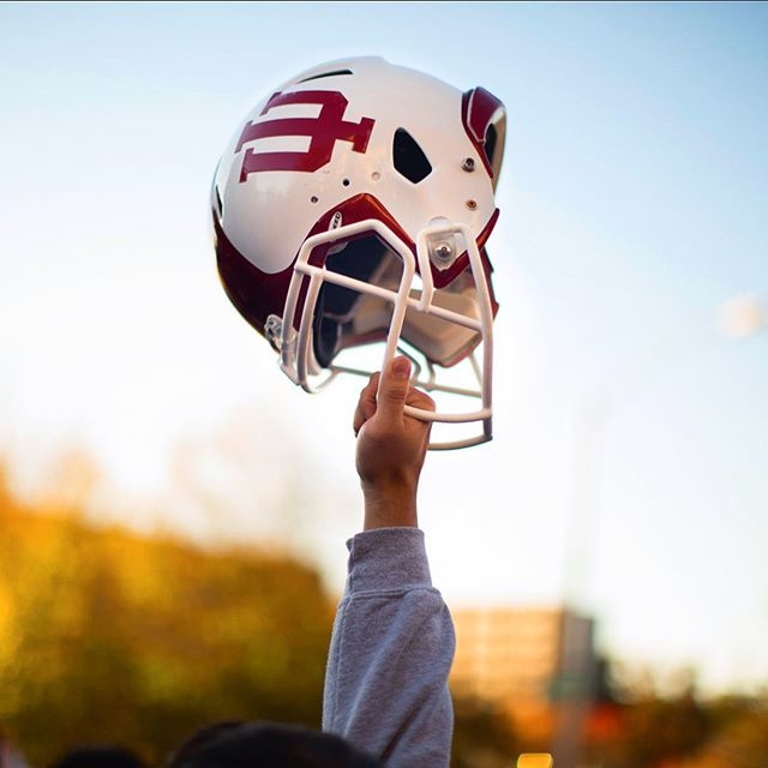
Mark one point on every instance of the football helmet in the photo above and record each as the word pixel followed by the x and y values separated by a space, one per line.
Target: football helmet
pixel 351 210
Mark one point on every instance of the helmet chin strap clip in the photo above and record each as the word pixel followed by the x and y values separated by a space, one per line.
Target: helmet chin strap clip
pixel 273 331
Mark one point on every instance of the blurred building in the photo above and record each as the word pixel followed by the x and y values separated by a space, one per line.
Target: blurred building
pixel 525 661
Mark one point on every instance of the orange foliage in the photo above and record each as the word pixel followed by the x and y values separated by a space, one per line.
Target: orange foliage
pixel 105 634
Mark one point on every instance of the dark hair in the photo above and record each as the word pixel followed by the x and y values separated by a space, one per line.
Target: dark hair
pixel 237 744
pixel 105 756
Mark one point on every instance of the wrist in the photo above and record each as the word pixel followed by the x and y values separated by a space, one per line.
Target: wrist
pixel 390 507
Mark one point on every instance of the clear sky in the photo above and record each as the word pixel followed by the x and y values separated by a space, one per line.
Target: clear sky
pixel 629 469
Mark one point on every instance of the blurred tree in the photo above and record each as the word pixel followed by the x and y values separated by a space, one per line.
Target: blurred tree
pixel 659 729
pixel 740 738
pixel 109 635
pixel 648 728
pixel 483 736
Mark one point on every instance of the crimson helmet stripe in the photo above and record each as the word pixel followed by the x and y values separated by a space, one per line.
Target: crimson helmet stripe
pixel 367 206
pixel 478 108
pixel 255 294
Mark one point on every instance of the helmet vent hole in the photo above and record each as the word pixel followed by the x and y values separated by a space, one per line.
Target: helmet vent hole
pixel 345 182
pixel 333 73
pixel 219 204
pixel 409 158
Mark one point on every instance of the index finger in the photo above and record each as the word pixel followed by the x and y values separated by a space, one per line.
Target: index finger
pixel 366 404
pixel 417 398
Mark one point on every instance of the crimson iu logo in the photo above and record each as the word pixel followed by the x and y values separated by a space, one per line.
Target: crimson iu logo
pixel 324 131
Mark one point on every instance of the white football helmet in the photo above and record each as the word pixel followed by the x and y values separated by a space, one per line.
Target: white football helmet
pixel 352 206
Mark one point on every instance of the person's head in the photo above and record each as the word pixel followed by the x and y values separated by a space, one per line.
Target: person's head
pixel 267 745
pixel 99 756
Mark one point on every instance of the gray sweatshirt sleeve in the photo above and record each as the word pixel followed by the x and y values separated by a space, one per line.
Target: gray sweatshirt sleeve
pixel 386 687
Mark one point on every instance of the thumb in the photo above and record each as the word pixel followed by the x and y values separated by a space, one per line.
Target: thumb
pixel 393 387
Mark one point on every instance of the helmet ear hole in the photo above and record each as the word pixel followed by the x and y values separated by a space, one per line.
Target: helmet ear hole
pixel 409 158
pixel 493 146
pixel 489 145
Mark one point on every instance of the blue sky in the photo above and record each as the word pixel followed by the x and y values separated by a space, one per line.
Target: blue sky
pixel 628 469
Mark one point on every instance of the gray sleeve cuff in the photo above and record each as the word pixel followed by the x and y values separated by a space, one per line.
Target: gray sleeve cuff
pixel 387 559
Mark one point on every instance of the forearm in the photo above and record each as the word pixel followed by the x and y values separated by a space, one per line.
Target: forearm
pixel 391 652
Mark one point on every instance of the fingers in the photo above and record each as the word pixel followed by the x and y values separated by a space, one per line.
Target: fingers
pixel 394 386
pixel 366 405
pixel 388 394
pixel 418 399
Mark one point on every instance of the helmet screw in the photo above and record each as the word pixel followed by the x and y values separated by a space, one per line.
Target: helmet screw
pixel 471 204
pixel 443 252
pixel 468 164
